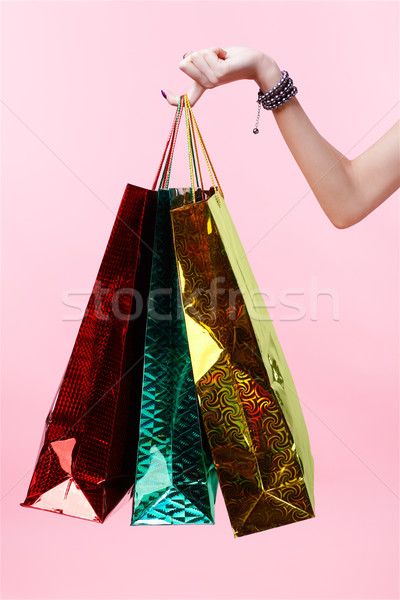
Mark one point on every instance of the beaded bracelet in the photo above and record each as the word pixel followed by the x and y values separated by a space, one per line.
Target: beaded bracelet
pixel 278 95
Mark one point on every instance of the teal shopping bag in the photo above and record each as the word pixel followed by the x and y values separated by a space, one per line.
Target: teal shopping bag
pixel 175 479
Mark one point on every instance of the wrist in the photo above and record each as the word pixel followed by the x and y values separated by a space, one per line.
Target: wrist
pixel 268 74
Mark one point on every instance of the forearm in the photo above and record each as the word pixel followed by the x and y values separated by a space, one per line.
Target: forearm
pixel 347 190
pixel 328 172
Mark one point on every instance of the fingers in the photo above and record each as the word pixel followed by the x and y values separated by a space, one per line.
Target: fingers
pixel 215 64
pixel 194 93
pixel 207 67
pixel 203 67
pixel 208 78
pixel 220 52
pixel 190 68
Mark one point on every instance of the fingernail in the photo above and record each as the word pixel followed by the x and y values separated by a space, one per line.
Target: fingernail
pixel 163 93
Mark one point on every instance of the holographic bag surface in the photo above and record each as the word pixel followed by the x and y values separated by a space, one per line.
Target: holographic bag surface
pixel 175 478
pixel 86 459
pixel 248 401
pixel 87 455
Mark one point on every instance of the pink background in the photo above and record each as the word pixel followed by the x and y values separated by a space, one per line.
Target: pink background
pixel 82 115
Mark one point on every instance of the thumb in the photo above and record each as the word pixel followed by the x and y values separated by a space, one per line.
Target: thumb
pixel 170 97
pixel 195 92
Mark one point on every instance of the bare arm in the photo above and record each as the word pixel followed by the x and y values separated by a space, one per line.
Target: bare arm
pixel 347 190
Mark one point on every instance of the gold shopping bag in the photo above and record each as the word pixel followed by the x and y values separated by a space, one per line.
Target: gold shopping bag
pixel 248 401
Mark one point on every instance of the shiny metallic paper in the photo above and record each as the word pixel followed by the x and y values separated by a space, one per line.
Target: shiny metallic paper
pixel 250 408
pixel 175 478
pixel 86 462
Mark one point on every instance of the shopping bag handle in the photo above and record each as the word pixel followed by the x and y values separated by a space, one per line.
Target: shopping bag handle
pixel 167 169
pixel 194 163
pixel 172 134
pixel 168 165
pixel 190 122
pixel 192 150
pixel 170 148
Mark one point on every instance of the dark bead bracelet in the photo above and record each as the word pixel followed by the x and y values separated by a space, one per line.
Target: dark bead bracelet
pixel 278 95
pixel 278 86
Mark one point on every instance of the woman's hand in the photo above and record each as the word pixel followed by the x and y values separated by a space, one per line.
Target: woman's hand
pixel 347 190
pixel 216 66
